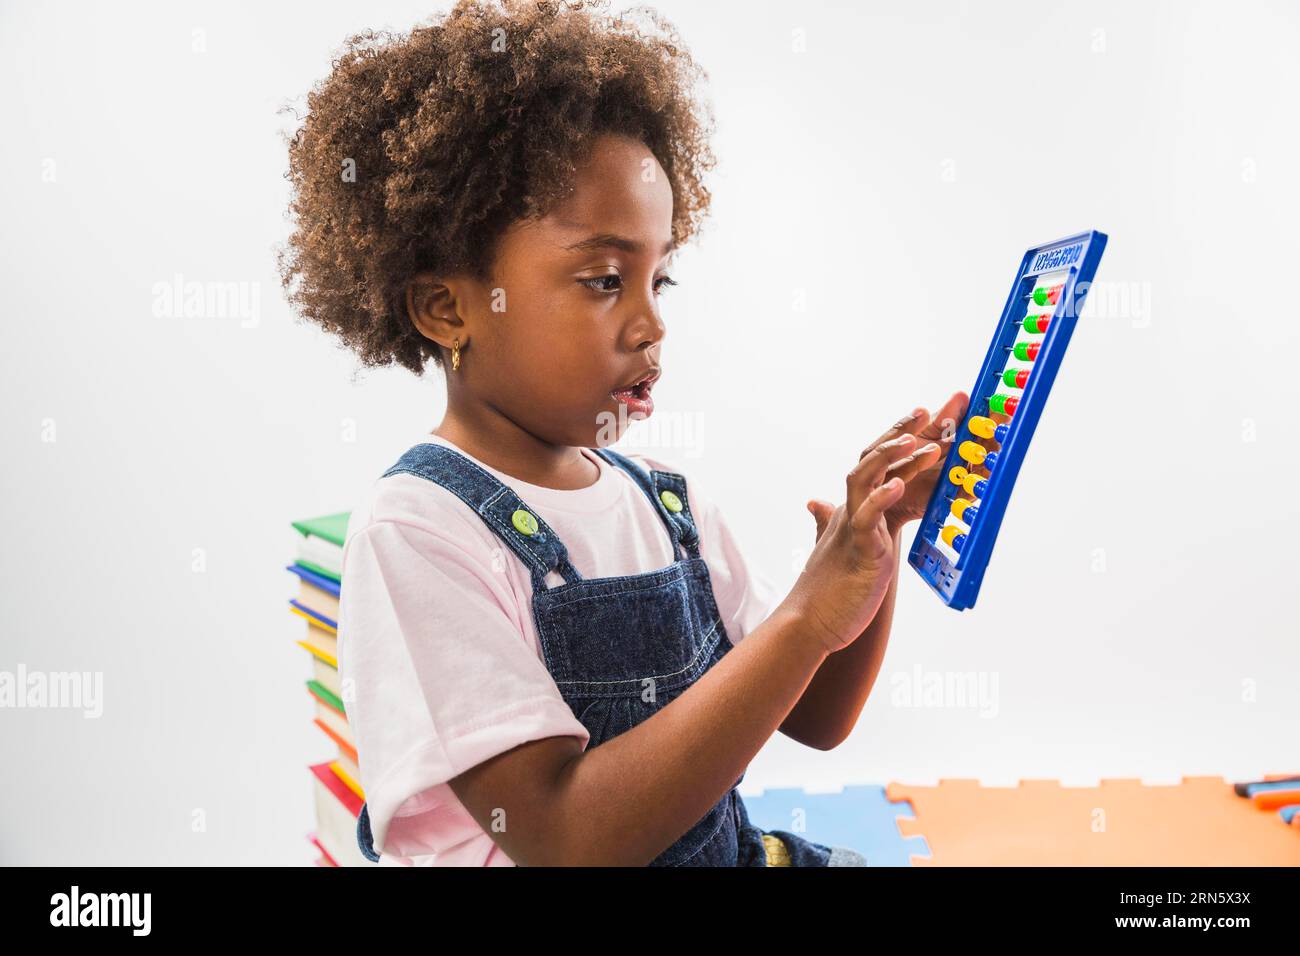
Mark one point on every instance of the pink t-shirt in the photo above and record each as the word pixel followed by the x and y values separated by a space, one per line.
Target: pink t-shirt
pixel 438 652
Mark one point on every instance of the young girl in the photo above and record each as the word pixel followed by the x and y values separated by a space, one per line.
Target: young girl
pixel 553 653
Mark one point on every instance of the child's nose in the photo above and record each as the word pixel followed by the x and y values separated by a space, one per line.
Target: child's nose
pixel 647 327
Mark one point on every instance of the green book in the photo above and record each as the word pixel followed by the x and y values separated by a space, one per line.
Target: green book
pixel 323 572
pixel 331 528
pixel 325 695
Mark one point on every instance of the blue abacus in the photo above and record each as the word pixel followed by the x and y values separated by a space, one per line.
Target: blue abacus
pixel 956 536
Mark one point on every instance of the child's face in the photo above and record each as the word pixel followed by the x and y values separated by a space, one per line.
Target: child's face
pixel 572 311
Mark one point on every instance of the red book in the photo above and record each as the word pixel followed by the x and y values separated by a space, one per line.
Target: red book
pixel 337 787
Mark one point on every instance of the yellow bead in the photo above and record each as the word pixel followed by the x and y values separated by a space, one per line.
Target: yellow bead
pixel 948 533
pixel 958 475
pixel 959 507
pixel 972 452
pixel 969 484
pixel 982 427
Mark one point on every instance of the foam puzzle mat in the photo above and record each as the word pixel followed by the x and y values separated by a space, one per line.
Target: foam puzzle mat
pixel 861 818
pixel 1202 821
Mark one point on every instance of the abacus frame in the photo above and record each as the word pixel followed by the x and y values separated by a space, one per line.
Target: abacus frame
pixel 958 582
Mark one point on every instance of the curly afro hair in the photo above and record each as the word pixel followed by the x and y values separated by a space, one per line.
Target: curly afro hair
pixel 418 150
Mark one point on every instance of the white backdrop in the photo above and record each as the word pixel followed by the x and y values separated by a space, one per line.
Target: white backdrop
pixel 882 169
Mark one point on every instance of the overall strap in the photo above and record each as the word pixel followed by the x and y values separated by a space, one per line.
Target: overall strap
pixel 519 526
pixel 667 492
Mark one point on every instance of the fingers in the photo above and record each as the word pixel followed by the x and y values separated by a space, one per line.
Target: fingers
pixel 923 458
pixel 907 425
pixel 869 514
pixel 923 425
pixel 946 418
pixel 940 432
pixel 870 469
pixel 910 446
pixel 822 512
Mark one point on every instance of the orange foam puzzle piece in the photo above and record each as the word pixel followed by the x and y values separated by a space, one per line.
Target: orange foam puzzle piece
pixel 1199 822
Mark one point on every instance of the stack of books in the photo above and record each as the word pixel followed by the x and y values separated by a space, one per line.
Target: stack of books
pixel 335 781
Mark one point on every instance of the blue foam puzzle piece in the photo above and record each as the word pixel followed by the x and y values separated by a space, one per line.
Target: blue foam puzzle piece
pixel 861 818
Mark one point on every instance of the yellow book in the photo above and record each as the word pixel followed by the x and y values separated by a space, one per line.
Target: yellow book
pixel 346 774
pixel 313 621
pixel 318 653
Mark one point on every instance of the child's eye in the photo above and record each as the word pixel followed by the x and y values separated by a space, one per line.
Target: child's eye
pixel 602 283
pixel 596 286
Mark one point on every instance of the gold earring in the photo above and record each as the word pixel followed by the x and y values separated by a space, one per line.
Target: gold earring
pixel 455 354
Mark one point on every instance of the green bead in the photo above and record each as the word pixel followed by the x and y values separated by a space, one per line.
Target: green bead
pixel 670 500
pixel 998 403
pixel 524 521
pixel 1031 324
pixel 1021 351
pixel 1009 377
pixel 1040 296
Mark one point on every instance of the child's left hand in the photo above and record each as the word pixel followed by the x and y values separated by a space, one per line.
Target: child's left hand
pixel 921 469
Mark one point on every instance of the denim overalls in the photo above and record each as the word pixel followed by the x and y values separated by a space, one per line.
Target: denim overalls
pixel 619 648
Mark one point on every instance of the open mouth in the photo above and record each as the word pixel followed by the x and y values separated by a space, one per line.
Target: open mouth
pixel 639 391
pixel 637 395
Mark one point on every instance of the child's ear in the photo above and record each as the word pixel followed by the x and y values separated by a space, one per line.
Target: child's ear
pixel 435 306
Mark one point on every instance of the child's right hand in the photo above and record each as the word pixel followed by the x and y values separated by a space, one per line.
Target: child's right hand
pixel 853 561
